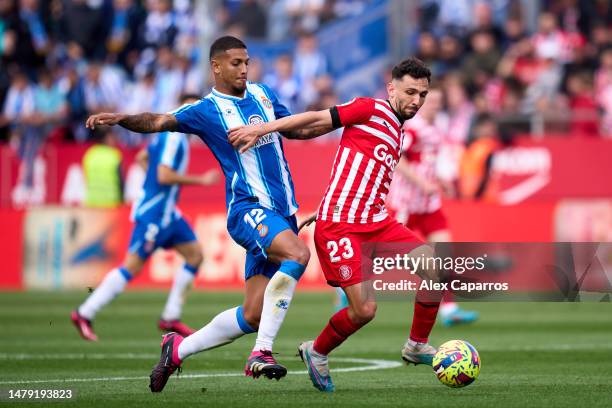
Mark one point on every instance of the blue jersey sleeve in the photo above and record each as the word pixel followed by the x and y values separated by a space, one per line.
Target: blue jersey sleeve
pixel 172 148
pixel 280 110
pixel 191 118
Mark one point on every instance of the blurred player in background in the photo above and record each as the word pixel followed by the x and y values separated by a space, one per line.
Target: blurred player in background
pixel 157 223
pixel 261 209
pixel 353 210
pixel 415 193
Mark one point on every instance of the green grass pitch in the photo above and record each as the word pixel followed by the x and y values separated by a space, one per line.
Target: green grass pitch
pixel 533 354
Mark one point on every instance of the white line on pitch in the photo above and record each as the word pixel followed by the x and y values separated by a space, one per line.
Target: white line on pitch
pixel 371 365
pixel 154 356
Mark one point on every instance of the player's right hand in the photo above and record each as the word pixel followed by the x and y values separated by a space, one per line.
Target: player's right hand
pixel 307 221
pixel 103 119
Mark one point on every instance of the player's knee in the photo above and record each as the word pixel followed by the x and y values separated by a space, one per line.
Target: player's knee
pixel 298 253
pixel 365 312
pixel 195 258
pixel 252 317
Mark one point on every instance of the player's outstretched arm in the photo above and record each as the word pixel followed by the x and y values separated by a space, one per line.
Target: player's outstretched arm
pixel 141 123
pixel 244 137
pixel 166 175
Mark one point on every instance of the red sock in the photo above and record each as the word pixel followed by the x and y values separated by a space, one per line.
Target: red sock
pixel 425 313
pixel 340 327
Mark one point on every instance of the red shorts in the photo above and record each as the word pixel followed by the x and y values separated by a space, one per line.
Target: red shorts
pixel 426 224
pixel 343 257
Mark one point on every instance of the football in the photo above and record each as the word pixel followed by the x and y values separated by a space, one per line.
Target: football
pixel 456 363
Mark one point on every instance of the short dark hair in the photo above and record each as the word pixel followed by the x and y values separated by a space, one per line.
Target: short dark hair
pixel 188 96
pixel 223 44
pixel 413 67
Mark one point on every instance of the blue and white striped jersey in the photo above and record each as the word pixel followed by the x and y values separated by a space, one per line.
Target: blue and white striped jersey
pixel 158 201
pixel 259 175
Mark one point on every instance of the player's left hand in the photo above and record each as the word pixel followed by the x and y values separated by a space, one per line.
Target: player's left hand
pixel 244 137
pixel 307 221
pixel 212 176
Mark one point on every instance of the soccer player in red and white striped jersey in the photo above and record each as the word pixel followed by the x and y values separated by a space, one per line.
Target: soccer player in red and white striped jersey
pixel 414 196
pixel 353 210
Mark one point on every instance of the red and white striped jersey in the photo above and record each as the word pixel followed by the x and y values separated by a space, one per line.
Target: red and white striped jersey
pixel 363 168
pixel 421 147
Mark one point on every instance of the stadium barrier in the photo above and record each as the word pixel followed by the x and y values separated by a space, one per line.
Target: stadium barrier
pixel 51 248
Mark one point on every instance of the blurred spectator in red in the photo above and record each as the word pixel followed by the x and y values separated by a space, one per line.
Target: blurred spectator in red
pixel 584 115
pixel 603 90
pixel 551 39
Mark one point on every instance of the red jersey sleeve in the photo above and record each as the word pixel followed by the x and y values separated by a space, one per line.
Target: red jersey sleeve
pixel 354 112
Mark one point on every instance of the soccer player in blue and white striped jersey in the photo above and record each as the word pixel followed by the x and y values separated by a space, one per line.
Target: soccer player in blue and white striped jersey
pixel 157 223
pixel 260 202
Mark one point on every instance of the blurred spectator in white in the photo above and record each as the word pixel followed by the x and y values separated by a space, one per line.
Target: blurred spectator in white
pixel 103 88
pixel 550 40
pixel 18 106
pixel 348 8
pixel 285 83
pixel 279 23
pixel 460 109
pixel 160 25
pixel 541 95
pixel 306 14
pixel 82 22
pixel 168 81
pixel 186 42
pixel 310 63
pixel 192 78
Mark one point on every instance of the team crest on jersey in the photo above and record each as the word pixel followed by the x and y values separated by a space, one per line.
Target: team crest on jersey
pixel 263 230
pixel 255 120
pixel 229 111
pixel 345 272
pixel 266 102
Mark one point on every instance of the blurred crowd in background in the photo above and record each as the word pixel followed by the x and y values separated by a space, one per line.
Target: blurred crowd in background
pixel 62 60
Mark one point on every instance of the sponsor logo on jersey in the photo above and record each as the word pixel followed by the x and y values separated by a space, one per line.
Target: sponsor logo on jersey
pixel 381 153
pixel 264 140
pixel 345 272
